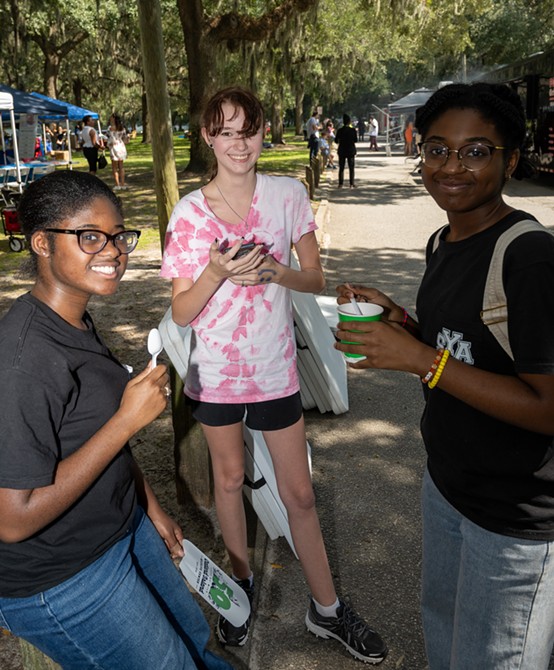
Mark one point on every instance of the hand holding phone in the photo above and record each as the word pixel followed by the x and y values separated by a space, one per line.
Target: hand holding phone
pixel 245 248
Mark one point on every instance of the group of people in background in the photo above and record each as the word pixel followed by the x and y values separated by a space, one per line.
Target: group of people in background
pixel 94 144
pixel 322 139
pixel 56 134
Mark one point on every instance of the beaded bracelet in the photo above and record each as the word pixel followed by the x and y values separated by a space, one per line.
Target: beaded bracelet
pixel 438 373
pixel 434 367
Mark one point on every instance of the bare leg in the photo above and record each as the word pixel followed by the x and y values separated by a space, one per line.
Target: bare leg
pixel 290 461
pixel 121 174
pixel 115 172
pixel 226 447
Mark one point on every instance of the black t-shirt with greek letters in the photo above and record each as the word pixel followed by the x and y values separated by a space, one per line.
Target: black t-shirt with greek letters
pixel 497 475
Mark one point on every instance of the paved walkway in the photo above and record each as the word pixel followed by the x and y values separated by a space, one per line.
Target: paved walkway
pixel 367 464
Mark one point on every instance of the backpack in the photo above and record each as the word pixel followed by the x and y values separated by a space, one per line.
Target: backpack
pixel 494 313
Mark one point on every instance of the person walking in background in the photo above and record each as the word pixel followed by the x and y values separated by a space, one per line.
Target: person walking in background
pixel 243 364
pixel 312 131
pixel 331 136
pixel 361 130
pixel 409 139
pixel 86 569
pixel 373 132
pixel 488 423
pixel 91 143
pixel 117 144
pixel 346 139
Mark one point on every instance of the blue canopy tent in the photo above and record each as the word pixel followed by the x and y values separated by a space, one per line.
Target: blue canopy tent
pixel 72 113
pixel 25 103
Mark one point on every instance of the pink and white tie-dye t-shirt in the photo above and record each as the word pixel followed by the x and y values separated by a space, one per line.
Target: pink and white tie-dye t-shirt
pixel 243 346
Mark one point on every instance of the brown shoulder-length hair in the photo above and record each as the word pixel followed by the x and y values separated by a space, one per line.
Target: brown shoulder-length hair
pixel 241 98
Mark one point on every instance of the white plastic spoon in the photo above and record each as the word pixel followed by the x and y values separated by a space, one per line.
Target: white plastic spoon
pixel 155 345
pixel 355 305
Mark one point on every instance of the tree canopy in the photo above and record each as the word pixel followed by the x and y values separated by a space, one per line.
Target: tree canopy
pixel 345 56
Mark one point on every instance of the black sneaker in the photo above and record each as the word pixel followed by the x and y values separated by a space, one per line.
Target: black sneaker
pixel 349 629
pixel 234 636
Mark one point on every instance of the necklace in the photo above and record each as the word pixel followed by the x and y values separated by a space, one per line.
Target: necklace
pixel 229 206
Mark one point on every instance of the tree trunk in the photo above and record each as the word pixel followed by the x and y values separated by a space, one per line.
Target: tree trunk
pixel 51 71
pixel 276 122
pixel 146 135
pixel 78 91
pixel 157 99
pixel 201 78
pixel 193 471
pixel 298 109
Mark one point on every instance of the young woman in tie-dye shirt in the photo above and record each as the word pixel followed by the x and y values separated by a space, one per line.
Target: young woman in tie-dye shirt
pixel 243 354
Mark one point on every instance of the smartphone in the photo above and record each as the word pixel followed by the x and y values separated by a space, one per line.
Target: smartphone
pixel 245 248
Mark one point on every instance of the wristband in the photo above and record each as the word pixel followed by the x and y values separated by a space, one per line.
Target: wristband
pixel 405 319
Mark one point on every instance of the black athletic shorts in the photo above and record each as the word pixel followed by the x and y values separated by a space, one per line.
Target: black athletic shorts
pixel 268 415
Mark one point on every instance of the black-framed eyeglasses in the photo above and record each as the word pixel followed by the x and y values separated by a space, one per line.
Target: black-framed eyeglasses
pixel 93 241
pixel 474 156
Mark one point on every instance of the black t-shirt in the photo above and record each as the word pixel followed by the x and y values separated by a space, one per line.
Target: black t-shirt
pixel 58 386
pixel 346 139
pixel 499 476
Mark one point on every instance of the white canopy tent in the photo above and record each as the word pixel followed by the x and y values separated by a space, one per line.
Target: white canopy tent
pixel 6 105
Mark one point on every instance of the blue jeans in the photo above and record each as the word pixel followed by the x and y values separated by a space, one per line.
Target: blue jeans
pixel 129 610
pixel 487 599
pixel 313 145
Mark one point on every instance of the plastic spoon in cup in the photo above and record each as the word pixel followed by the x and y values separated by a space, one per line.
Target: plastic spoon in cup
pixel 155 345
pixel 357 309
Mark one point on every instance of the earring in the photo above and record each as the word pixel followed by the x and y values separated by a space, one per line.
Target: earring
pixel 211 145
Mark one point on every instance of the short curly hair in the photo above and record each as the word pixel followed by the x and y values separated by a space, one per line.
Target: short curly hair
pixel 497 103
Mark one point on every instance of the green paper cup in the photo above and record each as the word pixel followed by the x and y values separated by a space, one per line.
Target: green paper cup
pixel 347 312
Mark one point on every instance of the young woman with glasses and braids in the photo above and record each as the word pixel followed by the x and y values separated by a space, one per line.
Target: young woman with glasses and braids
pixel 86 570
pixel 488 424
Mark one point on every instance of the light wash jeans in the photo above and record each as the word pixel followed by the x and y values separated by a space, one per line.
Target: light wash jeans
pixel 487 599
pixel 129 610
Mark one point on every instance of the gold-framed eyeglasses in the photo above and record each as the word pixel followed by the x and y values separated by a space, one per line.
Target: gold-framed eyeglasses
pixel 474 156
pixel 93 241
